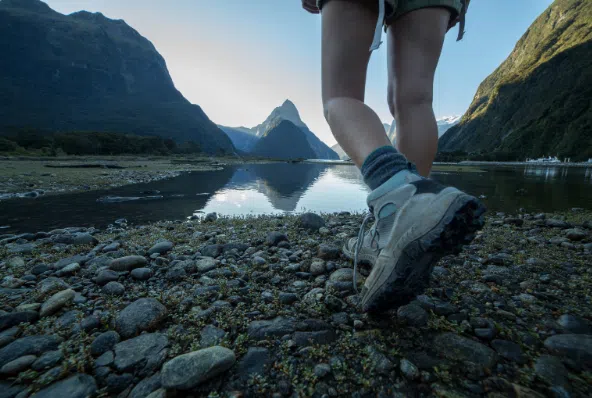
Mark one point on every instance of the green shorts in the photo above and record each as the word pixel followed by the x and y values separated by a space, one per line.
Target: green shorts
pixel 396 8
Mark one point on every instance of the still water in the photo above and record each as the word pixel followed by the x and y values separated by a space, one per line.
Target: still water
pixel 285 188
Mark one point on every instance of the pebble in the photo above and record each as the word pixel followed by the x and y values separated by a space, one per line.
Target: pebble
pixel 114 289
pixel 18 365
pixel 575 234
pixel 190 370
pixel 574 324
pixel 577 347
pixel 104 342
pixel 30 345
pixel 211 336
pixel 413 315
pixel 408 369
pixel 128 263
pixel 274 238
pixel 161 247
pixel 21 315
pixel 256 361
pixel 105 276
pixel 455 347
pixel 321 370
pixel 317 267
pixel 141 274
pixel 141 315
pixel 56 302
pixel 206 264
pixel 68 270
pixel 311 221
pixel 48 360
pixel 328 252
pixel 142 355
pixel 509 350
pixel 551 370
pixel 76 386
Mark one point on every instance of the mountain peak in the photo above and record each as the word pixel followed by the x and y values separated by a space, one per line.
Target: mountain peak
pixel 288 105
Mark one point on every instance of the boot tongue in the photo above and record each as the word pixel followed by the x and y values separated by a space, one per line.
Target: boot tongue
pixel 401 178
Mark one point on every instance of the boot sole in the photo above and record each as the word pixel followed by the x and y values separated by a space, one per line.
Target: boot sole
pixel 411 274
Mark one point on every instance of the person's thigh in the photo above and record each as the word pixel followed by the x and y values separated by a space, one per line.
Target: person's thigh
pixel 414 46
pixel 347 32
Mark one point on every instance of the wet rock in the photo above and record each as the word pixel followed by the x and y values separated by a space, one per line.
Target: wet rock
pixel 141 274
pixel 274 238
pixel 104 342
pixel 455 347
pixel 255 362
pixel 143 314
pixel 145 387
pixel 76 386
pixel 128 263
pixel 211 335
pixel 78 258
pixel 56 302
pixel 311 221
pixel 68 319
pixel 18 365
pixel 161 247
pixel 30 345
pixel 574 324
pixel 334 304
pixel 257 260
pixel 143 354
pixel 328 252
pixel 25 248
pixel 576 347
pixel 514 221
pixel 68 270
pixel 551 370
pixel 575 234
pixel 114 289
pixel 210 217
pixel 413 315
pixel 40 269
pixel 189 370
pixel 105 276
pixel 509 350
pixel 409 370
pixel 14 318
pixel 278 327
pixel 48 360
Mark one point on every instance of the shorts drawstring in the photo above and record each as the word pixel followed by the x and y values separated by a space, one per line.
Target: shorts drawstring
pixel 377 41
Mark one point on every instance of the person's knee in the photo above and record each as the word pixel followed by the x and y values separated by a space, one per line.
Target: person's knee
pixel 334 106
pixel 409 96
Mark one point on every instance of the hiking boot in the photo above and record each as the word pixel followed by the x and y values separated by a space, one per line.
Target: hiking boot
pixel 368 252
pixel 418 221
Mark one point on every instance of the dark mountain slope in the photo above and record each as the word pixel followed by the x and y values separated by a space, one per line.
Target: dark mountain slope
pixel 539 100
pixel 85 72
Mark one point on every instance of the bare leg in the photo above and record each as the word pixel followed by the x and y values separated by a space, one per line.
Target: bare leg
pixel 348 28
pixel 414 46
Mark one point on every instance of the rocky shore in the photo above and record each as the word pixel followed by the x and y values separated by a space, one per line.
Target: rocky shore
pixel 31 178
pixel 264 306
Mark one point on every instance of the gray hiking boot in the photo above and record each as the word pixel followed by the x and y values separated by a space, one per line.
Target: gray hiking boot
pixel 417 222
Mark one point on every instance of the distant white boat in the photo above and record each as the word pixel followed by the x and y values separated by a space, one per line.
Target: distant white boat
pixel 544 160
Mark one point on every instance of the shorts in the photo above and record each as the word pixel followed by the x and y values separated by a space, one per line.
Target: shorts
pixel 394 9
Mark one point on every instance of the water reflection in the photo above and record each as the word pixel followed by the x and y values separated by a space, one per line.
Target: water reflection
pixel 283 187
pixel 547 172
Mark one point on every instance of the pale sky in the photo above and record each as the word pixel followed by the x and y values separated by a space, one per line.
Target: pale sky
pixel 239 59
